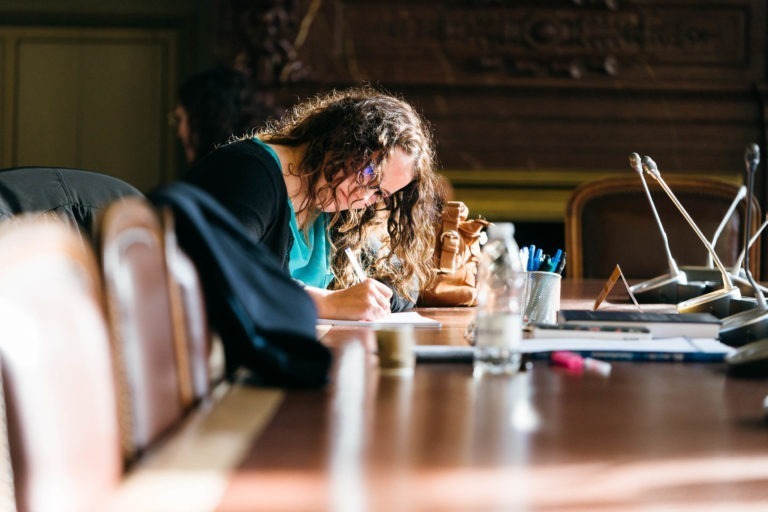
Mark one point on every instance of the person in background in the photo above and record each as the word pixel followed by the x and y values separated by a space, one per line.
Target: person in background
pixel 329 174
pixel 213 106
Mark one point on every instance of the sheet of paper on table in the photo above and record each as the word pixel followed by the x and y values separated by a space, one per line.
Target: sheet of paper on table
pixel 405 318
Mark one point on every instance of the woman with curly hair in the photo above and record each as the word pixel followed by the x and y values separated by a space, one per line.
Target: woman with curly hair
pixel 343 169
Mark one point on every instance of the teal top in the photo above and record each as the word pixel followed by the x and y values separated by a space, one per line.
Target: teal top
pixel 308 259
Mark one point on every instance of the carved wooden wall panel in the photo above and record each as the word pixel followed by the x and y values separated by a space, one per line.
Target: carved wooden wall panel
pixel 500 43
pixel 530 98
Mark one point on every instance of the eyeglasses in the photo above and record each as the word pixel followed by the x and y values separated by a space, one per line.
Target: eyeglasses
pixel 367 178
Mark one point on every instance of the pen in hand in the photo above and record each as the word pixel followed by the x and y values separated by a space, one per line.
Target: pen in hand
pixel 359 272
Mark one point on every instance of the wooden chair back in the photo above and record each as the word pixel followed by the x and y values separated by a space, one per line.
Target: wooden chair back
pixel 192 337
pixel 610 221
pixel 59 439
pixel 151 396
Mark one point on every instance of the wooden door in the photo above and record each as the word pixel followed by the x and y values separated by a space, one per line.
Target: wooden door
pixel 89 98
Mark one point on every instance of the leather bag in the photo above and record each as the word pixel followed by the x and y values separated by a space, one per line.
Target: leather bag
pixel 457 253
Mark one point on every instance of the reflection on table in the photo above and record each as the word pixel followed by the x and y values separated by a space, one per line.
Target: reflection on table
pixel 651 435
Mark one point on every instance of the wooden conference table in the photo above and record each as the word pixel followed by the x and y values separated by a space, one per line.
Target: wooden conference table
pixel 651 436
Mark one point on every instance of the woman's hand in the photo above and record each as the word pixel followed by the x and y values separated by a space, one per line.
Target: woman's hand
pixel 368 300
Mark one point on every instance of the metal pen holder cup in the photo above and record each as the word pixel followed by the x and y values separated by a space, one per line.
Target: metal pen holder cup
pixel 541 297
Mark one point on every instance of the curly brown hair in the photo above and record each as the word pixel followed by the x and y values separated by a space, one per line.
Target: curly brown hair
pixel 343 132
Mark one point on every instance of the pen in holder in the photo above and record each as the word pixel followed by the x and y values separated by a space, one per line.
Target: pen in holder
pixel 541 297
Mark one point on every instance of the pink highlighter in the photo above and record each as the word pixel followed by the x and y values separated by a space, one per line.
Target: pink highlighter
pixel 575 362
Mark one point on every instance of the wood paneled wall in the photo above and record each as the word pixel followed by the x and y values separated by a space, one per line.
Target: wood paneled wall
pixel 89 84
pixel 90 98
pixel 527 98
pixel 530 98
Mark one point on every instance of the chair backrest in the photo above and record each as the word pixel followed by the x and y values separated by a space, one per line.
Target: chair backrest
pixel 74 194
pixel 192 337
pixel 610 221
pixel 60 430
pixel 133 262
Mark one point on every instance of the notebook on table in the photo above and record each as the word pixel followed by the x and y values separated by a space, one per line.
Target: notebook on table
pixel 661 325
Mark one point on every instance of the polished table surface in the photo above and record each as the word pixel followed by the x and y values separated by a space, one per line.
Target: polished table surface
pixel 651 436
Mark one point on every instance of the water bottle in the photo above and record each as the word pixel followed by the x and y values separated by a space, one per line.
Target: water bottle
pixel 498 321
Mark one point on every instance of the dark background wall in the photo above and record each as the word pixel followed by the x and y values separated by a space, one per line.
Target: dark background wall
pixel 530 98
pixel 527 98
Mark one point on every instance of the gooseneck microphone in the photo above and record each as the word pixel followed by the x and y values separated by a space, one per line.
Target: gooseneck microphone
pixel 708 273
pixel 737 273
pixel 736 270
pixel 664 288
pixel 716 302
pixel 752 160
pixel 752 324
pixel 739 196
pixel 637 166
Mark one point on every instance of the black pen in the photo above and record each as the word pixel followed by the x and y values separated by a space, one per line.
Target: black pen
pixel 555 261
pixel 561 264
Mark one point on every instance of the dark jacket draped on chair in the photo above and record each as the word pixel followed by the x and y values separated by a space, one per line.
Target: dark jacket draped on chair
pixel 265 319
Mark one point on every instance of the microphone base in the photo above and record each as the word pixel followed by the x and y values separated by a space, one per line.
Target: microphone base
pixel 718 303
pixel 751 360
pixel 743 304
pixel 744 327
pixel 666 289
pixel 713 279
pixel 703 274
pixel 690 291
pixel 746 287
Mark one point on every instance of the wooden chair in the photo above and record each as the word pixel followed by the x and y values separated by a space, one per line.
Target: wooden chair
pixel 60 446
pixel 610 221
pixel 192 337
pixel 154 379
pixel 185 470
pixel 59 441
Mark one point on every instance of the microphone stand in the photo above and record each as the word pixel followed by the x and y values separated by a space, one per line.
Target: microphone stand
pixel 664 288
pixel 708 272
pixel 739 196
pixel 737 273
pixel 752 324
pixel 736 270
pixel 710 275
pixel 716 302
